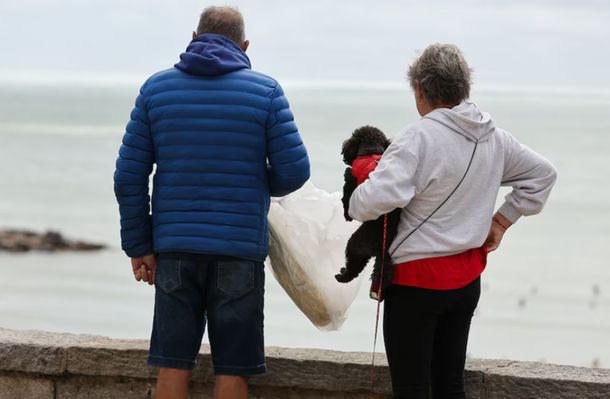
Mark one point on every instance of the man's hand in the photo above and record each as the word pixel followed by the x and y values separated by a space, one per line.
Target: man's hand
pixel 499 225
pixel 144 268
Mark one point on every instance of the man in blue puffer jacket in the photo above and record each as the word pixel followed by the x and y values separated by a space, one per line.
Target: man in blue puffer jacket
pixel 223 140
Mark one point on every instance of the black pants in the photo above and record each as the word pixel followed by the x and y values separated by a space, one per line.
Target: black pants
pixel 426 334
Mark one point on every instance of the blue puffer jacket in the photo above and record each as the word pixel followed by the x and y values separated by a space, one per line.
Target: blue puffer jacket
pixel 223 139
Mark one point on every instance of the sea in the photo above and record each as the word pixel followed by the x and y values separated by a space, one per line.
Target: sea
pixel 545 292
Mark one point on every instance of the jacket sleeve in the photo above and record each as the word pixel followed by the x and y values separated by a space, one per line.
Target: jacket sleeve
pixel 131 182
pixel 391 185
pixel 288 163
pixel 530 175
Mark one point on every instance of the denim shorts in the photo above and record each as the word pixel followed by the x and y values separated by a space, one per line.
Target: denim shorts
pixel 191 289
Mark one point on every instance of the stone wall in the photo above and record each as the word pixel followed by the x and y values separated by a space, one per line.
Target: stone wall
pixel 35 364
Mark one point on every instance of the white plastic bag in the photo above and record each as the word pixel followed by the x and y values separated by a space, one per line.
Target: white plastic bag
pixel 308 234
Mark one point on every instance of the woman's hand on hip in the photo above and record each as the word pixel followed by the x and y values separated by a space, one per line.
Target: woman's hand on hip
pixel 499 225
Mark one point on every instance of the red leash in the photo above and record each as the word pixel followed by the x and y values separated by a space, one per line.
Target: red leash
pixel 385 237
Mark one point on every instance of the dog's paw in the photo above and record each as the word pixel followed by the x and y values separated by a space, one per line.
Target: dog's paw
pixel 343 276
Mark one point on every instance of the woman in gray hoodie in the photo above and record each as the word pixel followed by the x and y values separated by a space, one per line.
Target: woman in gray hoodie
pixel 444 171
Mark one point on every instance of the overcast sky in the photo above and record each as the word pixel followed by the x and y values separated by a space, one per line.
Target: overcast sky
pixel 548 43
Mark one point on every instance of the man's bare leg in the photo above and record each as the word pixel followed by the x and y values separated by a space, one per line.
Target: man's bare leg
pixel 230 387
pixel 172 384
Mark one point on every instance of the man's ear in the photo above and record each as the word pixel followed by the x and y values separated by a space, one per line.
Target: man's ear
pixel 194 35
pixel 245 45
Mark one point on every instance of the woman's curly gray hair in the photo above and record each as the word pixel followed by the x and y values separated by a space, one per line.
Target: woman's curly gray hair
pixel 442 73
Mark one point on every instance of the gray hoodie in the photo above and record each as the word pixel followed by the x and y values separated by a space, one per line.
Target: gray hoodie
pixel 425 163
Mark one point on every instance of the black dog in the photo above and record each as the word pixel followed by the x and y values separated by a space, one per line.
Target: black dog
pixel 367 240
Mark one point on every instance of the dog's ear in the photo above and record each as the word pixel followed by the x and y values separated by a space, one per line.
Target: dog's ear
pixel 350 150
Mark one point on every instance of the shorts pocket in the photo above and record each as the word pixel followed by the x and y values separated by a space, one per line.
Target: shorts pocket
pixel 168 274
pixel 235 277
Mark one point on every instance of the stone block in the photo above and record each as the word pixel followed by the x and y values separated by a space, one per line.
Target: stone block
pixel 21 387
pixel 108 361
pixel 103 388
pixel 295 393
pixel 512 379
pixel 473 384
pixel 36 351
pixel 502 387
pixel 32 358
pixel 323 370
pixel 201 391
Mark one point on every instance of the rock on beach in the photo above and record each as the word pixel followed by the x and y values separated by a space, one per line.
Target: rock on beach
pixel 50 241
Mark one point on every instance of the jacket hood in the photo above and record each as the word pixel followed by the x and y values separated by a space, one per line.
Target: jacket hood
pixel 212 55
pixel 465 119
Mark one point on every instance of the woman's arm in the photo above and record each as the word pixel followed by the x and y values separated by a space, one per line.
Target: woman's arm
pixel 530 175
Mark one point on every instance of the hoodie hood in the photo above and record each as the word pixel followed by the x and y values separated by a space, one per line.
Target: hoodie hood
pixel 465 119
pixel 212 55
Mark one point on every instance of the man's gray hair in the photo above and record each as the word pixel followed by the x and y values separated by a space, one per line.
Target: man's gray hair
pixel 226 21
pixel 442 73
